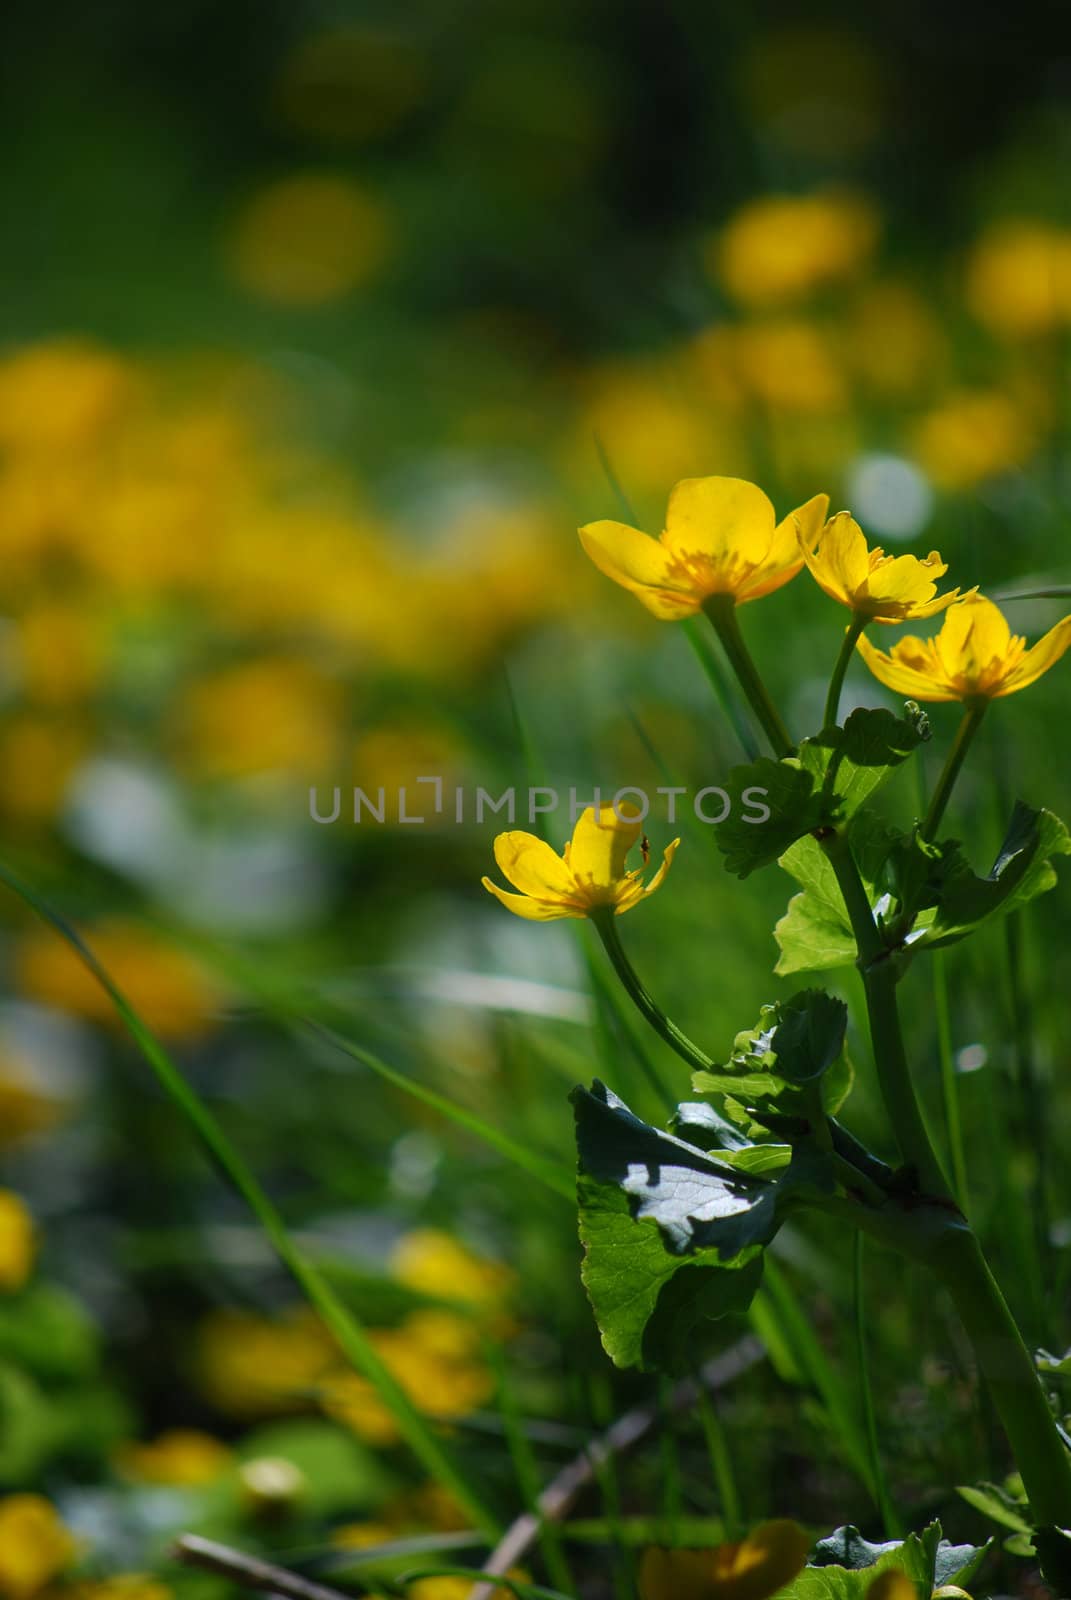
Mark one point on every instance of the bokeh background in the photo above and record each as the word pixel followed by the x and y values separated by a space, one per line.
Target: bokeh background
pixel 323 326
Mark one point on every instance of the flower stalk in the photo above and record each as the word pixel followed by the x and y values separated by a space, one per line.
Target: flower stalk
pixel 974 711
pixel 836 682
pixel 721 609
pixel 605 926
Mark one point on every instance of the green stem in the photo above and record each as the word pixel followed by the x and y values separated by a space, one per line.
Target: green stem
pixel 893 1528
pixel 973 712
pixel 879 982
pixel 949 1085
pixel 836 682
pixel 1010 1375
pixel 721 609
pixel 605 926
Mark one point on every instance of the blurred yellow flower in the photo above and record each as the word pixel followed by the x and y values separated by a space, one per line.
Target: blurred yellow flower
pixel 780 248
pixel 756 1568
pixel 644 419
pixel 41 753
pixel 174 995
pixel 437 1358
pixel 457 1588
pixel 893 340
pixel 277 715
pixel 251 1366
pixel 362 1535
pixel 789 365
pixel 309 240
pixel 17 1242
pixel 971 436
pixel 721 537
pixel 61 395
pixel 120 1586
pixel 34 1545
pixel 872 585
pixel 24 1110
pixel 434 1263
pixel 1019 277
pixel 974 657
pixel 589 874
pixel 60 652
pixel 181 1457
pixel 892 1584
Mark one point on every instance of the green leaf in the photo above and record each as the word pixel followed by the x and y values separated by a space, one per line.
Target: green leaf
pixel 1023 869
pixel 916 1557
pixel 856 759
pixel 827 782
pixel 673 1231
pixel 789 1049
pixel 815 935
pixel 996 1504
pixel 787 790
pixel 952 1563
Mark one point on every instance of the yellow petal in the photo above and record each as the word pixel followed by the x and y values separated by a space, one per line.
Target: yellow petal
pixel 840 562
pixel 906 579
pixel 896 670
pixel 676 1574
pixel 767 1560
pixel 523 905
pixel 660 876
pixel 974 641
pixel 600 844
pixel 533 867
pixel 640 564
pixel 785 558
pixel 1039 658
pixel 720 517
pixel 892 1584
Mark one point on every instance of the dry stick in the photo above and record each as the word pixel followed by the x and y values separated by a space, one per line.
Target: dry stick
pixel 562 1491
pixel 248 1571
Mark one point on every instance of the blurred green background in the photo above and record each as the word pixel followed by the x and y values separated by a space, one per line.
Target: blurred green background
pixel 324 326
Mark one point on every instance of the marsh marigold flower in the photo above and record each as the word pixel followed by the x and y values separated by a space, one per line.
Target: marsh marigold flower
pixel 753 1569
pixel 16 1242
pixel 34 1545
pixel 874 586
pixel 721 537
pixel 974 657
pixel 781 248
pixel 590 872
pixel 180 1457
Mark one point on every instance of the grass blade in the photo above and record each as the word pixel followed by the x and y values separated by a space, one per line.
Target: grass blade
pixel 350 1335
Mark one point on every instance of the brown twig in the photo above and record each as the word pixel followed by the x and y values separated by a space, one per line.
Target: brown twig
pixel 249 1571
pixel 561 1493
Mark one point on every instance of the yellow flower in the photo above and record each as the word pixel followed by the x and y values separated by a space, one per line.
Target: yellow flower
pixel 780 248
pixel 588 874
pixel 892 1584
pixel 120 1586
pixel 437 1359
pixel 1019 277
pixel 434 1263
pixel 756 1568
pixel 972 435
pixel 34 1545
pixel 457 1588
pixel 16 1242
pixel 721 537
pixel 309 239
pixel 181 1456
pixel 252 1366
pixel 173 993
pixel 974 657
pixel 875 586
